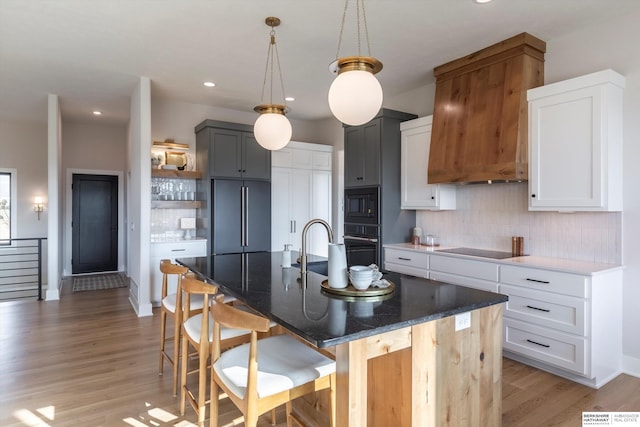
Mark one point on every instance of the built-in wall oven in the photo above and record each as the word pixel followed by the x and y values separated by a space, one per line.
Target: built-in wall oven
pixel 362 244
pixel 361 206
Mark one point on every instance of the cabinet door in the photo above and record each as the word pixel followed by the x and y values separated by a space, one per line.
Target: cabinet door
pixel 258 216
pixel 320 208
pixel 225 153
pixel 566 150
pixel 301 195
pixel 282 217
pixel 256 160
pixel 353 156
pixel 416 192
pixel 371 152
pixel 227 216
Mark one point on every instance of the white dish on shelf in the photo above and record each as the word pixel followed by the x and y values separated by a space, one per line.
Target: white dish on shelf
pixel 170 167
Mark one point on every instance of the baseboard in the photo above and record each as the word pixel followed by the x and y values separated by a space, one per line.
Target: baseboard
pixel 631 366
pixel 590 382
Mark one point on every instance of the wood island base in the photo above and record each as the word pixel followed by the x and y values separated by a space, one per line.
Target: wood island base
pixel 423 375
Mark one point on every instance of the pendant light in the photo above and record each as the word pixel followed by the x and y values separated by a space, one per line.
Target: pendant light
pixel 272 129
pixel 355 96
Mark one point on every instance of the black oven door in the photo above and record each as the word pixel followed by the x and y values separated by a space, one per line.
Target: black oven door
pixel 361 250
pixel 361 205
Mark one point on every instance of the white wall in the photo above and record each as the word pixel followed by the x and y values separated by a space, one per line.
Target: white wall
pixel 488 215
pixel 138 197
pixel 177 120
pixel 24 147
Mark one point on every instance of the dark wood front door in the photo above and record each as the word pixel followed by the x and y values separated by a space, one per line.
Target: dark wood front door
pixel 95 223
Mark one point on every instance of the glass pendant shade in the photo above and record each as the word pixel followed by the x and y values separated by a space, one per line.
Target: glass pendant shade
pixel 355 97
pixel 272 130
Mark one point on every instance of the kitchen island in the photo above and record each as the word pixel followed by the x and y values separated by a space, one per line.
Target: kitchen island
pixel 428 354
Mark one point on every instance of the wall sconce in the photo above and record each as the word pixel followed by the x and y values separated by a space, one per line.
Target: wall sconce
pixel 38 206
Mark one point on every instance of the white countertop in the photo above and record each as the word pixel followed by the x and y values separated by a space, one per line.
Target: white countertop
pixel 532 261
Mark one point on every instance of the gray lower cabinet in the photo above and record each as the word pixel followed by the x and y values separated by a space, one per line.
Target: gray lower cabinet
pixel 235 191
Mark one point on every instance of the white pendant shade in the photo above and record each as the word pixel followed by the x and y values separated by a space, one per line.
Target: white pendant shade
pixel 272 131
pixel 355 97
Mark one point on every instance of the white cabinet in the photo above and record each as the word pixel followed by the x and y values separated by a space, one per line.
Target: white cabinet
pixel 464 272
pixel 416 193
pixel 575 139
pixel 405 261
pixel 300 191
pixel 568 324
pixel 171 251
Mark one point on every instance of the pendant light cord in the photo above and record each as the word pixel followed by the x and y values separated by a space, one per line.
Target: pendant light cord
pixel 268 70
pixel 359 5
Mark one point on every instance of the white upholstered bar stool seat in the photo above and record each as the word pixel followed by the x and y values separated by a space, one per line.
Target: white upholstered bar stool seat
pixel 264 373
pixel 283 363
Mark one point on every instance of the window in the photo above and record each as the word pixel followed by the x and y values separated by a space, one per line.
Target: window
pixel 7 205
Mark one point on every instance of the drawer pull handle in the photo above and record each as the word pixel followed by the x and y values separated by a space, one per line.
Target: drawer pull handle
pixel 404 259
pixel 178 250
pixel 537 343
pixel 538 308
pixel 537 281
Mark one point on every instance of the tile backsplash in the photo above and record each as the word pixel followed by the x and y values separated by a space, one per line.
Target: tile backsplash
pixel 488 215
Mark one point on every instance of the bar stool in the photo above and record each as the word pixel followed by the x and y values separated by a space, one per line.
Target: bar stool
pixel 264 373
pixel 172 307
pixel 197 331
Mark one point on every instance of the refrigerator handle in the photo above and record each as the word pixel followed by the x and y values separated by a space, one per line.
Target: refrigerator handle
pixel 246 216
pixel 242 216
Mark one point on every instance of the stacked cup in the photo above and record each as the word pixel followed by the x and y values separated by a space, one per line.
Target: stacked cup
pixel 361 276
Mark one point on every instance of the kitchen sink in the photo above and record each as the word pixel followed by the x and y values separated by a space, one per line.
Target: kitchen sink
pixel 320 267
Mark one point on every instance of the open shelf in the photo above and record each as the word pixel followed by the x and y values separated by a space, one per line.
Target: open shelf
pixel 166 173
pixel 176 204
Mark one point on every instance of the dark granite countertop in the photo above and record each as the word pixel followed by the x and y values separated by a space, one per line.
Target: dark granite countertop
pixel 326 320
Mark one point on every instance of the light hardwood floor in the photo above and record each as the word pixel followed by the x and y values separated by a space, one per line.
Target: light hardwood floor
pixel 87 360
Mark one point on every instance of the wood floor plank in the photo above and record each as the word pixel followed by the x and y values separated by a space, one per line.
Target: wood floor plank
pixel 88 360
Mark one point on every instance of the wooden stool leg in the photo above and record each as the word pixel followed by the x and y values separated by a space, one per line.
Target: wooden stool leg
pixel 163 330
pixel 176 352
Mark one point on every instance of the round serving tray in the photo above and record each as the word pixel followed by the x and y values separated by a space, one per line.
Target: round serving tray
pixel 350 291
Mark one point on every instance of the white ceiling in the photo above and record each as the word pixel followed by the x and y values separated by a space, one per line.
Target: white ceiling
pixel 92 52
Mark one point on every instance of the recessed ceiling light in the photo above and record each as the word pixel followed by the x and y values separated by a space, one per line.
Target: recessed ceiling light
pixel 209 84
pixel 97 113
pixel 289 98
pixel 482 1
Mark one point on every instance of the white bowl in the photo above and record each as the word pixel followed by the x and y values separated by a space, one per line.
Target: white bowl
pixel 360 283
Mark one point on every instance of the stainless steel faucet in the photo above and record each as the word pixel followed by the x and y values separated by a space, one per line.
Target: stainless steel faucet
pixel 303 253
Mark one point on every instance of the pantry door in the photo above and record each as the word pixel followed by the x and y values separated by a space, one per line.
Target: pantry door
pixel 94 223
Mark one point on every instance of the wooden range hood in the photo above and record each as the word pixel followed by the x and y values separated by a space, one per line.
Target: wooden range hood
pixel 480 113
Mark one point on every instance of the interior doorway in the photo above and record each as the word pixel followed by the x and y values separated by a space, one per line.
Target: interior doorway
pixel 94 225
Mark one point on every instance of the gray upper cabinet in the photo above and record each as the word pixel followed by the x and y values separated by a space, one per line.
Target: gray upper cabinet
pixel 232 151
pixel 372 150
pixel 362 154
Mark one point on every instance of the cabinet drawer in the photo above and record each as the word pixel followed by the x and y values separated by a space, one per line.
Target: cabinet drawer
pixel 174 250
pixel 465 267
pixel 560 312
pixel 550 281
pixel 546 345
pixel 408 258
pixel 469 282
pixel 406 269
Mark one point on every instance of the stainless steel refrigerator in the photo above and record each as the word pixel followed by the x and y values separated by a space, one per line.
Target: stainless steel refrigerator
pixel 240 216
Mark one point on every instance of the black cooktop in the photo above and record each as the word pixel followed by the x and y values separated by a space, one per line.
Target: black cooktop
pixel 484 253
